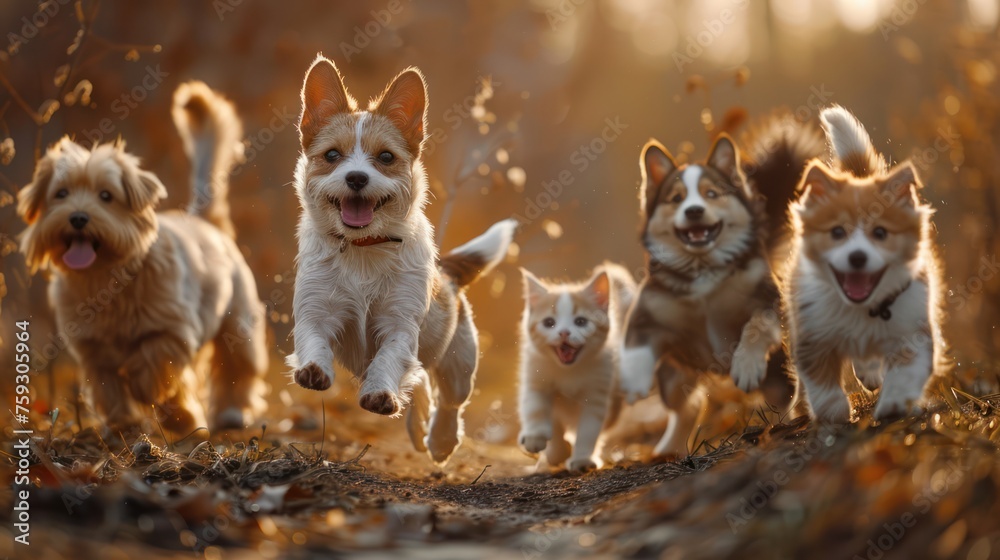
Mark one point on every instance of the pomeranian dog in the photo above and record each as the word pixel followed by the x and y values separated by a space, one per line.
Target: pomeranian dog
pixel 179 285
pixel 709 302
pixel 863 287
pixel 370 291
pixel 571 339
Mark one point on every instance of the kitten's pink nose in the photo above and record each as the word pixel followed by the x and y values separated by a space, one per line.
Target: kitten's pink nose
pixel 564 334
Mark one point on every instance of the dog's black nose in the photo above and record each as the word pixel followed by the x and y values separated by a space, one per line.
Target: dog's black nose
pixel 858 259
pixel 694 212
pixel 78 219
pixel 356 180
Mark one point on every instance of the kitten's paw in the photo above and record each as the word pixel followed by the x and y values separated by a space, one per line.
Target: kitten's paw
pixel 581 465
pixel 533 443
pixel 311 376
pixel 748 369
pixel 380 402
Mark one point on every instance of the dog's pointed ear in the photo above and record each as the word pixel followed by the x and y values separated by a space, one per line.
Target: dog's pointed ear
pixel 656 164
pixel 31 198
pixel 323 95
pixel 599 288
pixel 142 188
pixel 818 182
pixel 404 103
pixel 534 289
pixel 724 156
pixel 901 185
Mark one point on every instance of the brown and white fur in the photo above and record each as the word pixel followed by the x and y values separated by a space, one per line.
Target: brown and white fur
pixel 571 337
pixel 370 291
pixel 863 285
pixel 709 303
pixel 137 294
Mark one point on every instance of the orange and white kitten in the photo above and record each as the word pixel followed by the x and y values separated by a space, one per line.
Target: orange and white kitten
pixel 571 337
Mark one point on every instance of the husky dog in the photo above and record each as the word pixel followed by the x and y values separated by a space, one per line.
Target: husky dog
pixel 571 336
pixel 864 282
pixel 709 302
pixel 370 291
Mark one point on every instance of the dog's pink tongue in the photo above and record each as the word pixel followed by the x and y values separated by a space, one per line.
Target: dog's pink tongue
pixel 858 285
pixel 80 254
pixel 357 211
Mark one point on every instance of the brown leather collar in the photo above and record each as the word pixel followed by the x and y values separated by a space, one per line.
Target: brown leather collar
pixel 365 241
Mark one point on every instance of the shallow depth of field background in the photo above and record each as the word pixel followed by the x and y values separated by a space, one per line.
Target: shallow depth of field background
pixel 522 94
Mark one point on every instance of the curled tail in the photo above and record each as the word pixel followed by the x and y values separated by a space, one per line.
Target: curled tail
pixel 778 148
pixel 851 147
pixel 465 264
pixel 212 135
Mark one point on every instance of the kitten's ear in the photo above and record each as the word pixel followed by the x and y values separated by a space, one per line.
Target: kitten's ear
pixel 656 164
pixel 323 95
pixel 600 289
pixel 533 287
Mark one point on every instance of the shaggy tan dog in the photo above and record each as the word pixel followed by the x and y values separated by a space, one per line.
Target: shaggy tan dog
pixel 141 297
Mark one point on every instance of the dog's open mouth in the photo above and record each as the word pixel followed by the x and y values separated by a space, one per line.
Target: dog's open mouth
pixel 858 286
pixel 81 252
pixel 567 353
pixel 358 211
pixel 699 236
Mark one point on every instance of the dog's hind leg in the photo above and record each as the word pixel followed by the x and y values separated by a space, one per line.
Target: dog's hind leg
pixel 418 414
pixel 454 376
pixel 238 365
pixel 686 404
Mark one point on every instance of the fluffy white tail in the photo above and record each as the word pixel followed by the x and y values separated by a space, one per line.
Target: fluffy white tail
pixel 212 135
pixel 850 144
pixel 467 263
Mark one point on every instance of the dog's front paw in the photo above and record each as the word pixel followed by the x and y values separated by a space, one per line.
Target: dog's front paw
pixel 311 376
pixel 533 443
pixel 747 370
pixel 380 402
pixel 637 369
pixel 581 465
pixel 831 406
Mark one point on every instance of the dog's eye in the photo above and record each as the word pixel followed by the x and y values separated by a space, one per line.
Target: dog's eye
pixel 677 199
pixel 386 157
pixel 548 322
pixel 580 321
pixel 838 232
pixel 332 155
pixel 711 194
pixel 880 233
pixel 105 196
pixel 62 193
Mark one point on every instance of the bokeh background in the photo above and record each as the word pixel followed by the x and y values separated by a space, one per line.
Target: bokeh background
pixel 538 109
